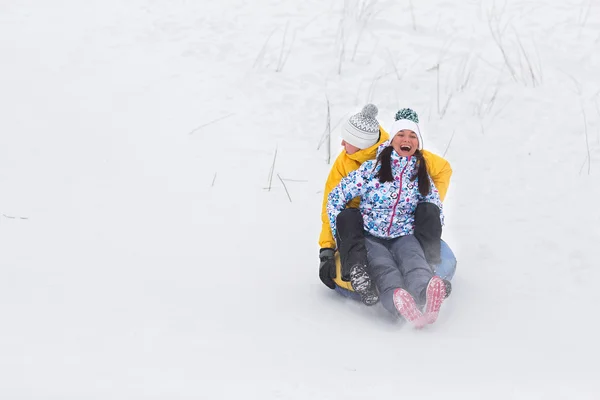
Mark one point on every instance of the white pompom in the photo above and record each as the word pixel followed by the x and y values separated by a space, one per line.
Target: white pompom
pixel 370 111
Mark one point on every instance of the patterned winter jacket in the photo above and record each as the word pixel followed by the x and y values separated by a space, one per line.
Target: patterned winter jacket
pixel 387 208
pixel 439 170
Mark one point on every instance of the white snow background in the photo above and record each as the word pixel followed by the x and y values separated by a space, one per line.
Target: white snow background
pixel 161 174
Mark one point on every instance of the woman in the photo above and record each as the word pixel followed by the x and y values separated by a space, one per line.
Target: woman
pixel 343 258
pixel 390 189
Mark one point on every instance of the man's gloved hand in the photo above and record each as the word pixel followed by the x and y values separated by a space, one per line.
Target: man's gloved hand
pixel 327 267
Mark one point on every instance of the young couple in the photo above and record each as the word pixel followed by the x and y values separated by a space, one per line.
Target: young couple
pixel 382 213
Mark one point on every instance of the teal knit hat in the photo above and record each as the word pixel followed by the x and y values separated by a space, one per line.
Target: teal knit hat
pixel 407 118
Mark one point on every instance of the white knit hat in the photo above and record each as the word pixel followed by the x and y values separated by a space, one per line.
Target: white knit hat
pixel 362 130
pixel 407 119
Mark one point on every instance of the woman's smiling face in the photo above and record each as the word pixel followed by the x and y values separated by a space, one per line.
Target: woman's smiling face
pixel 405 143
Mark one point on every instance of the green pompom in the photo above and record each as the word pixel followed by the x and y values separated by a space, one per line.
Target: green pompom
pixel 407 113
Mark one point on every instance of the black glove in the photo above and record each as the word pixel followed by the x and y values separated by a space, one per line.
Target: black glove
pixel 327 267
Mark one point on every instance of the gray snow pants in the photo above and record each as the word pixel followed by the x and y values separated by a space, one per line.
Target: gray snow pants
pixel 398 263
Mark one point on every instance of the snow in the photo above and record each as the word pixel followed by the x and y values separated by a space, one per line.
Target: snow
pixel 149 252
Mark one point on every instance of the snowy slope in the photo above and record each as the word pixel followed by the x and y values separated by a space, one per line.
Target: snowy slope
pixel 161 174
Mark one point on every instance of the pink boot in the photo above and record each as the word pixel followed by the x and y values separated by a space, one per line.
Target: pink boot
pixel 406 306
pixel 436 293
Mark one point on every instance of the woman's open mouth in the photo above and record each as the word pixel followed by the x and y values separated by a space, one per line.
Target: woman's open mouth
pixel 405 147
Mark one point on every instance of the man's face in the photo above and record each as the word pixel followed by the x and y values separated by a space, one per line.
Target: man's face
pixel 349 148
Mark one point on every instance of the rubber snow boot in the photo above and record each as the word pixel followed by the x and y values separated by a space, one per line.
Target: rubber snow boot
pixel 435 294
pixel 407 307
pixel 362 284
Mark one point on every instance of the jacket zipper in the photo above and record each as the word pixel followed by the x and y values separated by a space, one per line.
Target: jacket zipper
pixel 398 199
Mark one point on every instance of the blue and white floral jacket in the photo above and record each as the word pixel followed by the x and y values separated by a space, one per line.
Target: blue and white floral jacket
pixel 388 209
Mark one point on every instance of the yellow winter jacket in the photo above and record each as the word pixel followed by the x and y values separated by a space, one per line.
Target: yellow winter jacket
pixel 439 169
